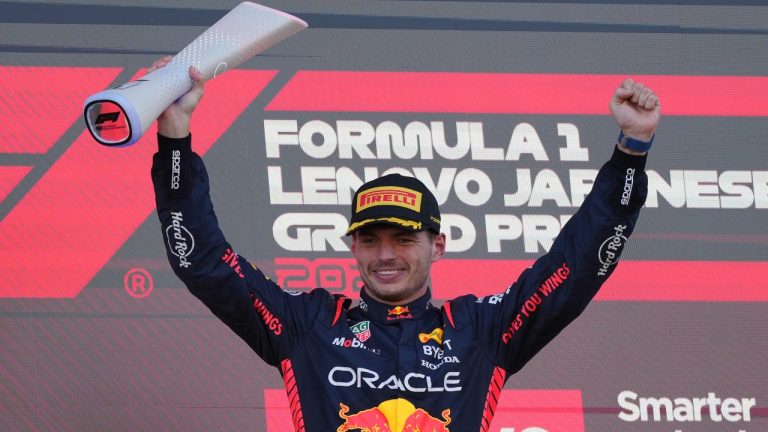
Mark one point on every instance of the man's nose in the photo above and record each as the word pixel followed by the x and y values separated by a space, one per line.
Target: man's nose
pixel 386 251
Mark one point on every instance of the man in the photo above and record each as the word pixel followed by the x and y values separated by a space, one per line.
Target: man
pixel 395 362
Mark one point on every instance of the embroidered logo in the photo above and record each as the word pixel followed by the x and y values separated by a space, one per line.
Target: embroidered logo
pixel 362 330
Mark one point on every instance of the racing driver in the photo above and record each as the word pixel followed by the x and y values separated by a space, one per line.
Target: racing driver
pixel 395 362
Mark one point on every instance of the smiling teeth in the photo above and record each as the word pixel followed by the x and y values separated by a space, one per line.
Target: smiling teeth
pixel 387 272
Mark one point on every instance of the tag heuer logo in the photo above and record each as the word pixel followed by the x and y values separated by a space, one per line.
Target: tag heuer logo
pixel 362 330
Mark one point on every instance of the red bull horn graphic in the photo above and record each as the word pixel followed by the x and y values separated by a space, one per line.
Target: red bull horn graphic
pixel 394 415
pixel 399 312
pixel 435 335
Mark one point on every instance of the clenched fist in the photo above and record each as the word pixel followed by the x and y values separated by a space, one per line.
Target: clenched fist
pixel 637 110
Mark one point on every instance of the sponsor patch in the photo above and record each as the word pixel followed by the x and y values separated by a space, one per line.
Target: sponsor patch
pixel 629 180
pixel 175 169
pixel 435 335
pixel 362 330
pixel 353 343
pixel 343 376
pixel 399 313
pixel 181 243
pixel 270 319
pixel 230 258
pixel 611 249
pixel 389 195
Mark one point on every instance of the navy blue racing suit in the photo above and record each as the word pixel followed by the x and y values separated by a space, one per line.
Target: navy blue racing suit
pixel 394 368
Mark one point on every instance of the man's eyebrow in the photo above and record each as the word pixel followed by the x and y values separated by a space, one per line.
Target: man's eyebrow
pixel 405 233
pixel 401 233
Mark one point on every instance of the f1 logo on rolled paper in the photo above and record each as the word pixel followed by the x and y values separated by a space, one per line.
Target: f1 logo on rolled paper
pixel 107 117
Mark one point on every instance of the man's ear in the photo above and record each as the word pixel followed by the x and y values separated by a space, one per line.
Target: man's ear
pixel 352 242
pixel 438 247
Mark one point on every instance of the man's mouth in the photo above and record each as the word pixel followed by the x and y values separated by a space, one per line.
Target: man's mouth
pixel 388 274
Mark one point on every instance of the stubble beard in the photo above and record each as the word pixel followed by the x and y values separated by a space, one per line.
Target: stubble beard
pixel 394 296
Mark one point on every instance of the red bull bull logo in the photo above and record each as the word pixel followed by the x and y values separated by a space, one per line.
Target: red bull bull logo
pixel 394 415
pixel 398 310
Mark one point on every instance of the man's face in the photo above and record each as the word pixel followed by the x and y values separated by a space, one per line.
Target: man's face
pixel 394 263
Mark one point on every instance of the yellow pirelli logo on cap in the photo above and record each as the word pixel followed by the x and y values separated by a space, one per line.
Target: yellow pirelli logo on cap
pixel 389 195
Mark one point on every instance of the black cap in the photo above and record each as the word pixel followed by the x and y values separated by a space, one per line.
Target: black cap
pixel 396 200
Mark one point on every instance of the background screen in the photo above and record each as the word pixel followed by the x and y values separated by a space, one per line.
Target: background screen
pixel 500 107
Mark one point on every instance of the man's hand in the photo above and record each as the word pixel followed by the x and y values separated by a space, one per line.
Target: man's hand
pixel 174 121
pixel 637 111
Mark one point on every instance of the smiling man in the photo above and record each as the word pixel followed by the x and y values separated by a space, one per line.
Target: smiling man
pixel 395 362
pixel 395 229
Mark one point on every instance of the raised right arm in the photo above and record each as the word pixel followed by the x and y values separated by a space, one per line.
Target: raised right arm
pixel 270 320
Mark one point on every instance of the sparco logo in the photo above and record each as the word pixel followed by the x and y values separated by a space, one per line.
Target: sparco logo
pixel 180 240
pixel 175 169
pixel 628 181
pixel 611 249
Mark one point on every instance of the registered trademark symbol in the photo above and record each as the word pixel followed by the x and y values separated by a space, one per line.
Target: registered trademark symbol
pixel 138 283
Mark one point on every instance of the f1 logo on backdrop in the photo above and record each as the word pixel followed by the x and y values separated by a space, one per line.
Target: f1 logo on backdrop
pixel 84 206
pixel 517 411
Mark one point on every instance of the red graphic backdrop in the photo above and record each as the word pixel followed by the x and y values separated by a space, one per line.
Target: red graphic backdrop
pixel 101 195
pixel 512 93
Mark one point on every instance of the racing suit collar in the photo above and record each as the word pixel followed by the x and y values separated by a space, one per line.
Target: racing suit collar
pixel 393 314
